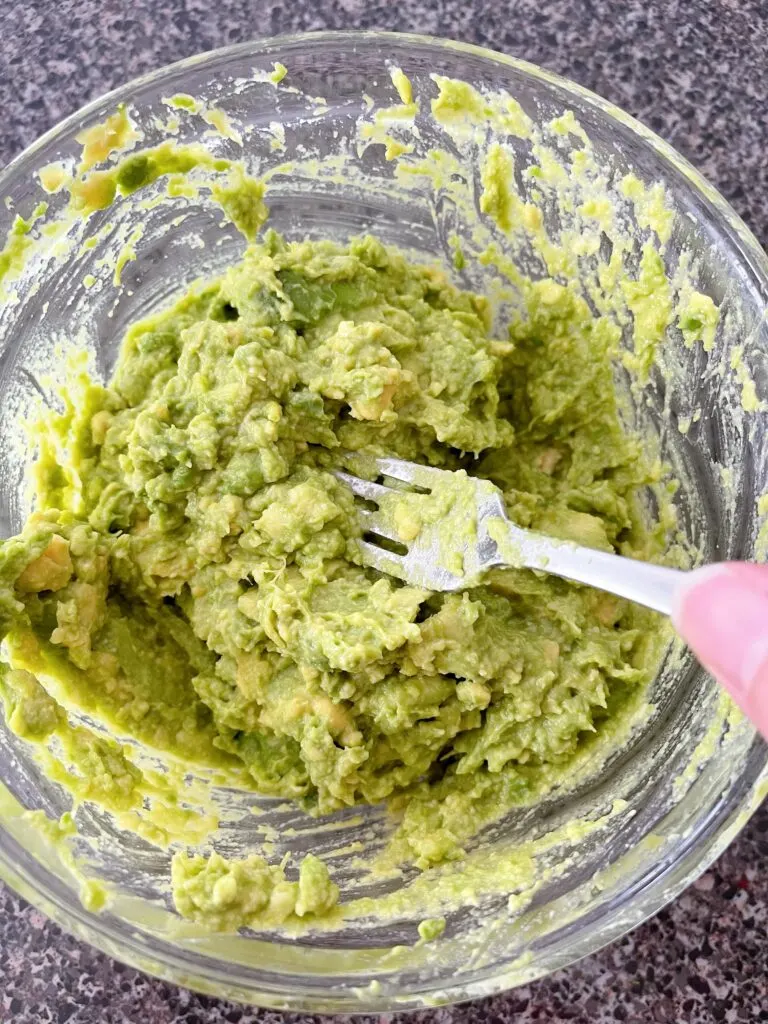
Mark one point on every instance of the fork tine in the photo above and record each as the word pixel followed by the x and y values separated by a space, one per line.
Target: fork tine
pixel 384 561
pixel 374 522
pixel 409 472
pixel 362 488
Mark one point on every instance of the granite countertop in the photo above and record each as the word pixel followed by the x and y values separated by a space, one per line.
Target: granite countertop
pixel 694 70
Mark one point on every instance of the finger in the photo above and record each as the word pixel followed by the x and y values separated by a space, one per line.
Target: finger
pixel 722 612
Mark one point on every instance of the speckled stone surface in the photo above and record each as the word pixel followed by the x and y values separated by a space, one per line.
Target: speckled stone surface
pixel 697 72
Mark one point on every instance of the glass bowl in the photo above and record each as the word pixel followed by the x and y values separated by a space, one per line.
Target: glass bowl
pixel 666 804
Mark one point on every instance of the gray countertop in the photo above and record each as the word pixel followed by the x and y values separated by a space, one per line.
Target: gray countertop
pixel 696 72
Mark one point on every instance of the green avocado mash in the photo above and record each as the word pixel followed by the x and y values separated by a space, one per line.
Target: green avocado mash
pixel 191 578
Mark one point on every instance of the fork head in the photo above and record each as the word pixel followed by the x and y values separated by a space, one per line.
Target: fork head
pixel 428 527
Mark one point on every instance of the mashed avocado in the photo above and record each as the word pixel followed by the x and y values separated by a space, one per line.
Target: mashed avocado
pixel 191 577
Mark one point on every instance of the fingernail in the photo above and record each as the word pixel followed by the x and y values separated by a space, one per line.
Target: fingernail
pixel 722 612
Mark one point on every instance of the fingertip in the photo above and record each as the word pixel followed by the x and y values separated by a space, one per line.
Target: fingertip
pixel 695 581
pixel 722 612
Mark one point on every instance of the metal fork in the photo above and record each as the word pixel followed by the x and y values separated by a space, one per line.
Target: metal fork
pixel 475 534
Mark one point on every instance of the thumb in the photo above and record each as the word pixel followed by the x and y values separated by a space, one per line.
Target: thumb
pixel 722 612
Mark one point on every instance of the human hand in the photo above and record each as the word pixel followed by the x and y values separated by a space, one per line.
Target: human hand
pixel 722 613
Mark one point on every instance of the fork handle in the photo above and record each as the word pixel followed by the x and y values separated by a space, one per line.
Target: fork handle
pixel 654 586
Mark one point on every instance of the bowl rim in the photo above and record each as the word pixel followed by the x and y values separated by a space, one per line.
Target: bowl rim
pixel 647 899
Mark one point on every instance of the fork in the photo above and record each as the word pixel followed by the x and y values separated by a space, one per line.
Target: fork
pixel 442 530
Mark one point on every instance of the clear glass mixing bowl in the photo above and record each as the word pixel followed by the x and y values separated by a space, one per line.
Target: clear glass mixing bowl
pixel 689 779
